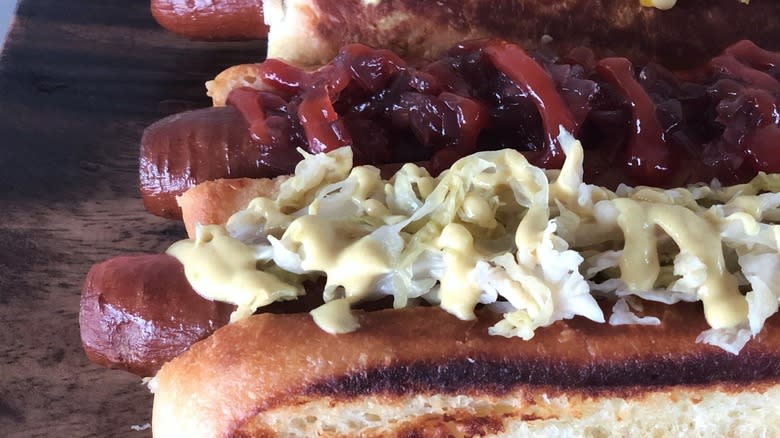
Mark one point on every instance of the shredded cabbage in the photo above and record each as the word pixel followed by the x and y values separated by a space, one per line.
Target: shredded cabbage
pixel 535 246
pixel 622 315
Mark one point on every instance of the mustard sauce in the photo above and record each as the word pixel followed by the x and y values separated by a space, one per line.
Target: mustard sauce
pixel 222 268
pixel 724 305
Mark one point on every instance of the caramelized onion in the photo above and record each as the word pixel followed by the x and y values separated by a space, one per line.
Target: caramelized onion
pixel 643 125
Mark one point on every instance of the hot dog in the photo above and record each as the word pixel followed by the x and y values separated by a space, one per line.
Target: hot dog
pixel 214 202
pixel 249 403
pixel 138 312
pixel 644 367
pixel 426 355
pixel 404 374
pixel 310 32
pixel 684 116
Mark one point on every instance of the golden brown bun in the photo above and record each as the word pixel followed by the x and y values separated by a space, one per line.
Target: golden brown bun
pixel 422 372
pixel 213 202
pixel 242 75
pixel 310 32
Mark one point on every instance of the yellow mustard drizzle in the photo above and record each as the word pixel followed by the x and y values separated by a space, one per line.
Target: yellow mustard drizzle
pixel 223 268
pixel 568 180
pixel 477 210
pixel 724 305
pixel 514 169
pixel 459 294
pixel 353 262
pixel 335 317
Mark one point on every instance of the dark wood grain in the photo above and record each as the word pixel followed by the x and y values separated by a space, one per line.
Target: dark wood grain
pixel 78 83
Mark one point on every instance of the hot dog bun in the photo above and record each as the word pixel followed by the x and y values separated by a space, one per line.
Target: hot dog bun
pixel 212 202
pixel 310 32
pixel 422 372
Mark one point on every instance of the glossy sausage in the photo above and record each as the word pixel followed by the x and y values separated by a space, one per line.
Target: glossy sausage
pixel 225 20
pixel 138 312
pixel 185 149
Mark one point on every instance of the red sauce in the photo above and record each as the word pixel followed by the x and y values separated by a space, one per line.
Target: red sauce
pixel 250 103
pixel 638 125
pixel 537 84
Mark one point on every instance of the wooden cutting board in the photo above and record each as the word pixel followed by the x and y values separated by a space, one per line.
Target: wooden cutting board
pixel 79 81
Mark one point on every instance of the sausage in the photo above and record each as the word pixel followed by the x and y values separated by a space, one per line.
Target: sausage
pixel 225 20
pixel 185 149
pixel 138 312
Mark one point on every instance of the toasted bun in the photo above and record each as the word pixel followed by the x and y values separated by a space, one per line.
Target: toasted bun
pixel 213 202
pixel 422 372
pixel 242 75
pixel 310 32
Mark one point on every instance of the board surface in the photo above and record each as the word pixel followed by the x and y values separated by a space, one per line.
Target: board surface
pixel 79 81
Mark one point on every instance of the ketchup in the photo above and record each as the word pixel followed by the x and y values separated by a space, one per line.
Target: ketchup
pixel 639 125
pixel 537 84
pixel 648 156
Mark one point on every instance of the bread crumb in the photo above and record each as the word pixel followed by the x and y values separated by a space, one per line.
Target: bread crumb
pixel 140 427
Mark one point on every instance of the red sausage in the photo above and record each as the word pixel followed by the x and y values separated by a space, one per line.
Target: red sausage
pixel 185 149
pixel 138 312
pixel 225 20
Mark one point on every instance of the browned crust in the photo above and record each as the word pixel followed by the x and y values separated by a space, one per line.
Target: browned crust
pixel 287 360
pixel 689 33
pixel 628 378
pixel 213 202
